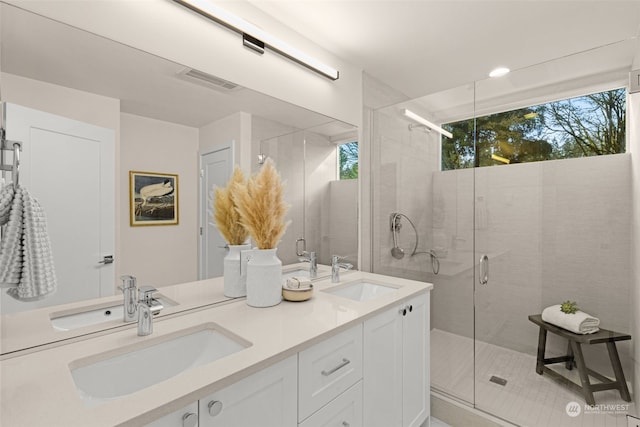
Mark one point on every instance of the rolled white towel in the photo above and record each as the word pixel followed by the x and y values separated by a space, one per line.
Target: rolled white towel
pixel 578 322
pixel 298 283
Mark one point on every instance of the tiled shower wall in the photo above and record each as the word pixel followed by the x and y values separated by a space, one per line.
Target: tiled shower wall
pixel 322 209
pixel 554 231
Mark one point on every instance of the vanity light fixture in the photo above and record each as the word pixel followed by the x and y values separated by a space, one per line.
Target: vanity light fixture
pixel 256 38
pixel 499 72
pixel 419 119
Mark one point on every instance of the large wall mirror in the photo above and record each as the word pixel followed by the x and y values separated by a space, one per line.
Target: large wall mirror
pixel 163 117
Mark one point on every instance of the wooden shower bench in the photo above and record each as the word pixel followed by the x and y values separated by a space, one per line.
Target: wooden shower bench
pixel 574 357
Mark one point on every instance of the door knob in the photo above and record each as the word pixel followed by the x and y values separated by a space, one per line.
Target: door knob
pixel 107 259
pixel 215 407
pixel 190 420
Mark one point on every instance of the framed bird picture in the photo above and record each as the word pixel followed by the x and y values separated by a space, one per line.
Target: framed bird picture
pixel 153 198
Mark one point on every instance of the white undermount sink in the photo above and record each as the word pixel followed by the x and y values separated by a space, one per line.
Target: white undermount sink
pixel 361 290
pixel 128 370
pixel 95 316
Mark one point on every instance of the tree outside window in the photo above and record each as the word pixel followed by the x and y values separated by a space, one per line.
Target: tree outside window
pixel 589 125
pixel 348 160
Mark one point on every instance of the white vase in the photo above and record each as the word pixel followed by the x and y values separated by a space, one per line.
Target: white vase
pixel 264 278
pixel 235 284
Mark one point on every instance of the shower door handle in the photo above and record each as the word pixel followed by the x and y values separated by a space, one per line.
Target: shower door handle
pixel 484 269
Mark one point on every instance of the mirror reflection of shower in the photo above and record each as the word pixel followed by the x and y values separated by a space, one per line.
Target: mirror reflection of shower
pixel 395 223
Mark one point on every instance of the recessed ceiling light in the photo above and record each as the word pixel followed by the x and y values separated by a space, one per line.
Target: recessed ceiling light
pixel 499 72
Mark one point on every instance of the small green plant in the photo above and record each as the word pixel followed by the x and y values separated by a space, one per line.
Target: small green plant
pixel 569 307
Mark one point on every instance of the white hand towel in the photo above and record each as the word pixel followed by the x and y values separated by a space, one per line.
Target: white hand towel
pixel 26 260
pixel 6 198
pixel 578 322
pixel 298 283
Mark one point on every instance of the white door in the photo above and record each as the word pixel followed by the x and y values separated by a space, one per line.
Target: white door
pixel 215 170
pixel 68 166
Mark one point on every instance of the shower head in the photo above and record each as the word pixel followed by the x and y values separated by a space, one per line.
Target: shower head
pixel 424 128
pixel 397 253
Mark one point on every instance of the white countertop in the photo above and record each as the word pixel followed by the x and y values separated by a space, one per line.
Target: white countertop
pixel 37 388
pixel 31 329
pixel 28 331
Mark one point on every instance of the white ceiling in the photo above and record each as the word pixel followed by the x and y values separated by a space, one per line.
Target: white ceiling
pixel 42 49
pixel 422 46
pixel 417 47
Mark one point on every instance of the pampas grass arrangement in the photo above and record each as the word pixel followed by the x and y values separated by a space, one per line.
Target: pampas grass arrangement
pixel 261 207
pixel 226 215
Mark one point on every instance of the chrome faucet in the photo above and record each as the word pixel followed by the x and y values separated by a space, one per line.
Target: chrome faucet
pixel 311 258
pixel 336 265
pixel 148 306
pixel 128 289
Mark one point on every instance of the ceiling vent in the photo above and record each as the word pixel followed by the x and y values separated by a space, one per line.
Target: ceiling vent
pixel 208 80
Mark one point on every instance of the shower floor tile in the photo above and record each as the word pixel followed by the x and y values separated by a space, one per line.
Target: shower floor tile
pixel 527 399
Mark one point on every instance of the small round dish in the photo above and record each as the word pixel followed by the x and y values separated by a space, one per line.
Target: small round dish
pixel 296 295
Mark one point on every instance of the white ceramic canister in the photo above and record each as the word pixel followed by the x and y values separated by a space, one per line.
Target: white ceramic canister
pixel 264 278
pixel 234 281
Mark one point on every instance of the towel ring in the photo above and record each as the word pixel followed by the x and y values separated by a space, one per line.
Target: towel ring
pixel 15 173
pixel 15 169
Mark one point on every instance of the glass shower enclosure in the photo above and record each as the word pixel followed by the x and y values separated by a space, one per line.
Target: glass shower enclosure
pixel 502 239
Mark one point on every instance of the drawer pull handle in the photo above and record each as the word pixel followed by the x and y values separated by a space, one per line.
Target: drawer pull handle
pixel 342 364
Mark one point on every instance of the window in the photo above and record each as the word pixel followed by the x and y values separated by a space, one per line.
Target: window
pixel 589 125
pixel 348 160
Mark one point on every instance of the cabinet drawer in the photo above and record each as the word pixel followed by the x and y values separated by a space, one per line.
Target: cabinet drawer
pixel 344 411
pixel 328 369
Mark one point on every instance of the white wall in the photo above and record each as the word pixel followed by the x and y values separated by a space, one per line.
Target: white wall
pixel 160 255
pixel 633 139
pixel 340 220
pixel 287 152
pixel 321 170
pixel 404 163
pixel 169 30
pixel 236 129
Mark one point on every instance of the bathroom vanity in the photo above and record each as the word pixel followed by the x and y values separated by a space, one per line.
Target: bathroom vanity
pixel 355 354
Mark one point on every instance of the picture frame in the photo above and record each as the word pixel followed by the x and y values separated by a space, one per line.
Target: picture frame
pixel 153 198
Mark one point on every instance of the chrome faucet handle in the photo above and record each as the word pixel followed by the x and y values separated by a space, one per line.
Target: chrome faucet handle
pixel 307 256
pixel 336 265
pixel 128 282
pixel 337 258
pixel 145 294
pixel 147 307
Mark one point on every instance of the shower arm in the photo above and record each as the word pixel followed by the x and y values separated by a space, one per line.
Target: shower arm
pixel 394 230
pixel 435 262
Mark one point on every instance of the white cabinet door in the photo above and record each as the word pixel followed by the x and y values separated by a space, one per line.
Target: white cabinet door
pixel 185 417
pixel 267 399
pixel 414 362
pixel 344 411
pixel 383 370
pixel 395 366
